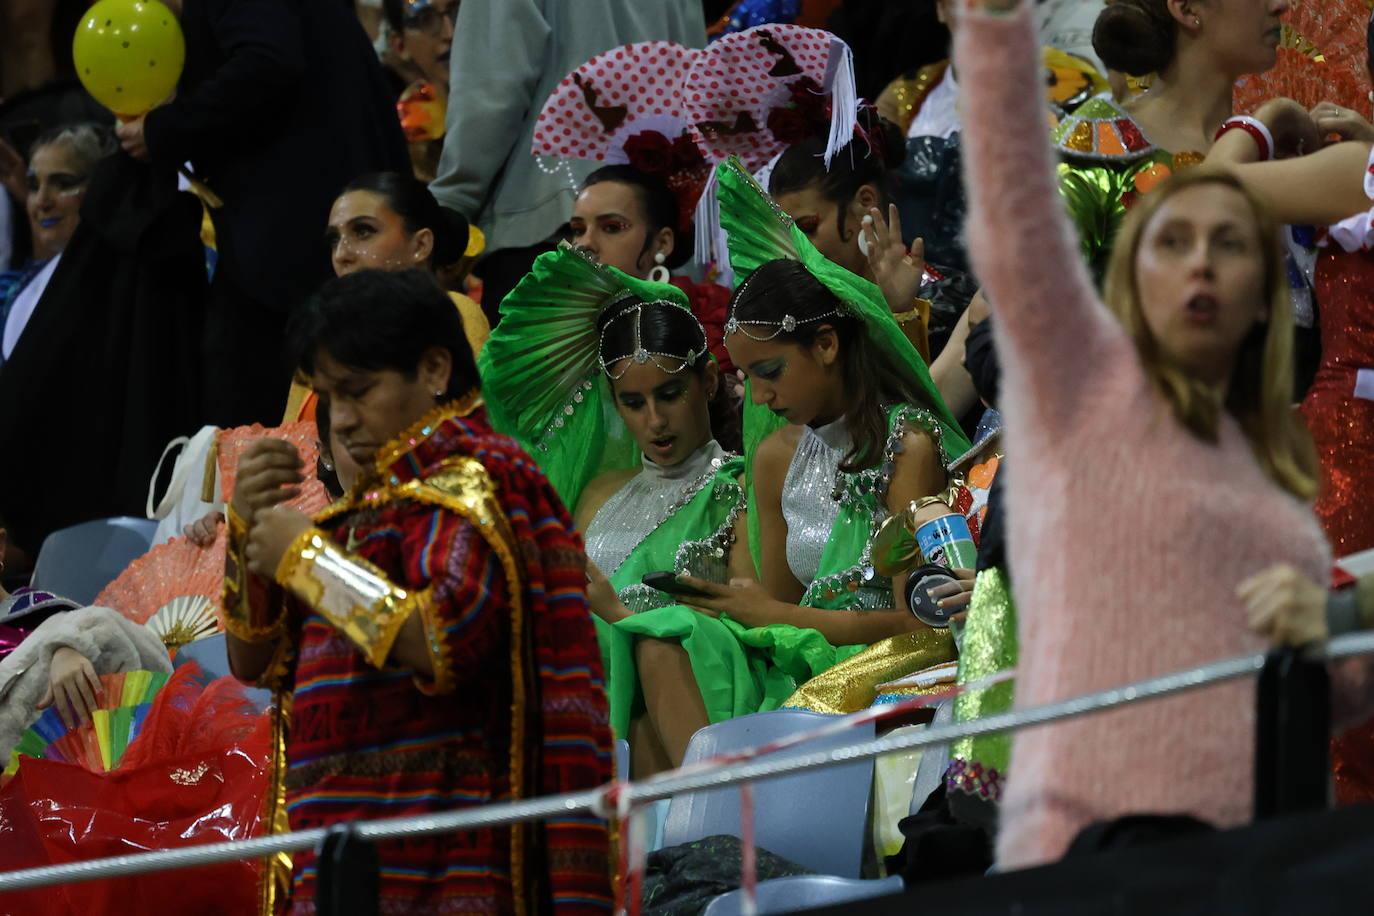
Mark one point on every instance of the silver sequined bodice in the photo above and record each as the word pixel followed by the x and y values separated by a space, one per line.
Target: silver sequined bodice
pixel 644 503
pixel 807 503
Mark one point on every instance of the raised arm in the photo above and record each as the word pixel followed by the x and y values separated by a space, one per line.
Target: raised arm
pixel 1050 324
pixel 1319 189
pixel 498 56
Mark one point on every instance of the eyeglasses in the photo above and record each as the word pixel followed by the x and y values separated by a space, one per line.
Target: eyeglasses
pixel 423 16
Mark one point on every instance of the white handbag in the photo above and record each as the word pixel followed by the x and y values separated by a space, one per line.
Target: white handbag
pixel 194 489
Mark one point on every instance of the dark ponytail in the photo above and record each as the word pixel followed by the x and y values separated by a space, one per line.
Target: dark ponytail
pixel 868 159
pixel 412 201
pixel 872 381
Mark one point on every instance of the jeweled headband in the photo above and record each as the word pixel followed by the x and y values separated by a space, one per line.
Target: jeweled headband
pixel 668 362
pixel 787 325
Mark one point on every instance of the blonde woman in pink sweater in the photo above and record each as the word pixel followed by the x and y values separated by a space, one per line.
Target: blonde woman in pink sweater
pixel 1158 462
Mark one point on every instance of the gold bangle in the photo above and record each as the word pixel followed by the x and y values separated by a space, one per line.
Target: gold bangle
pixel 945 498
pixel 915 313
pixel 348 591
pixel 245 632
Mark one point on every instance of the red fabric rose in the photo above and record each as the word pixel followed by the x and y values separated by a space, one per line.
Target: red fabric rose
pixel 789 126
pixel 710 304
pixel 650 152
pixel 686 154
pixel 811 99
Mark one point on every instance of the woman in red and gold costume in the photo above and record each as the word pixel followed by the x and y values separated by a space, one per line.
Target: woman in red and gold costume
pixel 1339 406
pixel 1325 65
pixel 427 636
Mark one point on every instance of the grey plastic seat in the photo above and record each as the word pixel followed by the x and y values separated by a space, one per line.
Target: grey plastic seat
pixel 804 892
pixel 78 562
pixel 816 819
pixel 210 653
pixel 930 773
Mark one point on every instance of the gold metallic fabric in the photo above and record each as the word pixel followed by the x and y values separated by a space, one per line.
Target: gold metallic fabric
pixel 242 619
pixel 349 592
pixel 851 685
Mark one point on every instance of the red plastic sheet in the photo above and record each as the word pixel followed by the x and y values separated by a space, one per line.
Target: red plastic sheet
pixel 197 774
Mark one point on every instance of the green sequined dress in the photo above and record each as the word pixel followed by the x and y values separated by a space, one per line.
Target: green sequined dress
pixel 545 388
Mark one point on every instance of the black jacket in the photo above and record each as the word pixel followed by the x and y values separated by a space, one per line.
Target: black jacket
pixel 106 371
pixel 281 103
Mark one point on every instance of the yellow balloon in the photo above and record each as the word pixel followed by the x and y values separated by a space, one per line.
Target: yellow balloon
pixel 129 54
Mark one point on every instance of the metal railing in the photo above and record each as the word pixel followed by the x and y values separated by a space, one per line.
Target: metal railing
pixel 667 785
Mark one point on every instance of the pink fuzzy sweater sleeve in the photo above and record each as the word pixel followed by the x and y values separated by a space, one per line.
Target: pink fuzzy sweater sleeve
pixel 1053 333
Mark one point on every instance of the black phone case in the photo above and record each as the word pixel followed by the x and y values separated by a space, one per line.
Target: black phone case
pixel 667 582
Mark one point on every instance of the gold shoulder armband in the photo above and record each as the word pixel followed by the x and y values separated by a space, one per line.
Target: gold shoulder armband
pixel 351 593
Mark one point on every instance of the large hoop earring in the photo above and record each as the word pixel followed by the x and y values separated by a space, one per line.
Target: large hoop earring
pixel 659 273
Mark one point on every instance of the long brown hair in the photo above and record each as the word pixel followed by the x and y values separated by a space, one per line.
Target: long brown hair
pixel 872 383
pixel 1261 390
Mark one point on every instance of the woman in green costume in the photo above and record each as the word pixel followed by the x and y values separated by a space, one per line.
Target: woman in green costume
pixel 606 380
pixel 842 427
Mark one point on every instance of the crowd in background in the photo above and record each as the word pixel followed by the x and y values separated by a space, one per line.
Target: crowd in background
pixel 595 370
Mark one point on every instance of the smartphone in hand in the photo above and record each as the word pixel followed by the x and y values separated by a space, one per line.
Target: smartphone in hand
pixel 668 582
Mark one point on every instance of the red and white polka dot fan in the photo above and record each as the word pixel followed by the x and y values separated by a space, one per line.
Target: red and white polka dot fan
pixel 630 91
pixel 754 93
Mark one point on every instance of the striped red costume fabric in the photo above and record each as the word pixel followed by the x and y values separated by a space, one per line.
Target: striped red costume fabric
pixel 517 707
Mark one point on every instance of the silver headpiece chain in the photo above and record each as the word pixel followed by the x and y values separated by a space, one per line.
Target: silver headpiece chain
pixel 787 325
pixel 668 362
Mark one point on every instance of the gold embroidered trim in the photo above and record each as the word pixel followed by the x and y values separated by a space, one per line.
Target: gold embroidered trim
pixel 236 525
pixel 422 428
pixel 275 883
pixel 241 619
pixel 439 657
pixel 462 485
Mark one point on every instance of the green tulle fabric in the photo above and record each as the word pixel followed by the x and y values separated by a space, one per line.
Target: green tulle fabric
pixel 978 766
pixel 759 231
pixel 734 680
pixel 544 387
pixel 540 377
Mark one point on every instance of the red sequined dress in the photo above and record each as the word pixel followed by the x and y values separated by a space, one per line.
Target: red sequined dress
pixel 1340 413
pixel 1339 408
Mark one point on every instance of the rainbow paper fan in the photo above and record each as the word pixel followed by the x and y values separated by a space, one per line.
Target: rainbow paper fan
pixel 98 744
